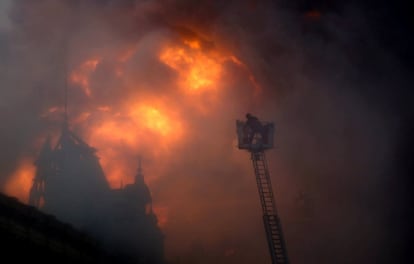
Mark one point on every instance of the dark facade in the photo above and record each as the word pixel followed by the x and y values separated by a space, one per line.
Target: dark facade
pixel 70 184
pixel 27 234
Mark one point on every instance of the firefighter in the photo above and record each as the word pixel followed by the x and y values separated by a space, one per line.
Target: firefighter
pixel 252 127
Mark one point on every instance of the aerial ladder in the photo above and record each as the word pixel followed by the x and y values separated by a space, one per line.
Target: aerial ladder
pixel 256 137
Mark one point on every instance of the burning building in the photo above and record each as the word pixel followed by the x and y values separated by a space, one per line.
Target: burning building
pixel 70 184
pixel 168 78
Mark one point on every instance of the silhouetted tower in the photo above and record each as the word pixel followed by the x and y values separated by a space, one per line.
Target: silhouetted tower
pixel 140 184
pixel 139 193
pixel 69 180
pixel 45 163
pixel 256 137
pixel 136 221
pixel 77 188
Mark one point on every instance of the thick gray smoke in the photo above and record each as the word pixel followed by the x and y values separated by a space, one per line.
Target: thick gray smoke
pixel 334 140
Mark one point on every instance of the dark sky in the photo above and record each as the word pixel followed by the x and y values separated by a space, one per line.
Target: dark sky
pixel 393 29
pixel 392 26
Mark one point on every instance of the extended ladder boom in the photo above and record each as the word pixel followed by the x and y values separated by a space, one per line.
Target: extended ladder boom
pixel 271 220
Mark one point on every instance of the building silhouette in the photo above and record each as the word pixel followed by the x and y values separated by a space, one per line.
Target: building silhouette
pixel 70 184
pixel 27 234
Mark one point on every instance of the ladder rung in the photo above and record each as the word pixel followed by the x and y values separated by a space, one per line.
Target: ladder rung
pixel 270 217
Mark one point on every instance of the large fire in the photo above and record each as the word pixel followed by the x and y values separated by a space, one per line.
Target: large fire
pixel 143 122
pixel 137 123
pixel 197 70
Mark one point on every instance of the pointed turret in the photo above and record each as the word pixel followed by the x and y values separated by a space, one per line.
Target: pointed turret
pixel 139 193
pixel 139 177
pixel 44 170
pixel 134 207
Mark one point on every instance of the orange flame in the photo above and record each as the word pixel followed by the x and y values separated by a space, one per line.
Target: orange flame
pixel 197 70
pixel 146 122
pixel 132 128
pixel 252 79
pixel 20 182
pixel 194 44
pixel 80 76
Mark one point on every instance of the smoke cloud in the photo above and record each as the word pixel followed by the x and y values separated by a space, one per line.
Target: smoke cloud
pixel 320 75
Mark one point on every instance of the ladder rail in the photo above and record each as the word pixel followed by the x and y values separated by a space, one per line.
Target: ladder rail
pixel 271 221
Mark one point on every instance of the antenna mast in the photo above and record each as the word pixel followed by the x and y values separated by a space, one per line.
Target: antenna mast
pixel 139 165
pixel 140 176
pixel 66 92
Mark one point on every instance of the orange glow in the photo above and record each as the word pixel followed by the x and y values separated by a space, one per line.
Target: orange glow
pixel 81 75
pixel 200 70
pixel 136 119
pixel 197 70
pixel 194 44
pixel 152 118
pixel 162 215
pixel 116 132
pixel 81 118
pixel 137 125
pixel 127 54
pixel 140 121
pixel 20 182
pixel 252 79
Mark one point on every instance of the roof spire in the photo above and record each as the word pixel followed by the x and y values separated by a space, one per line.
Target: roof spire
pixel 65 117
pixel 140 176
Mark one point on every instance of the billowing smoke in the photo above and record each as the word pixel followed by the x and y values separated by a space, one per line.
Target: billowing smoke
pixel 167 79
